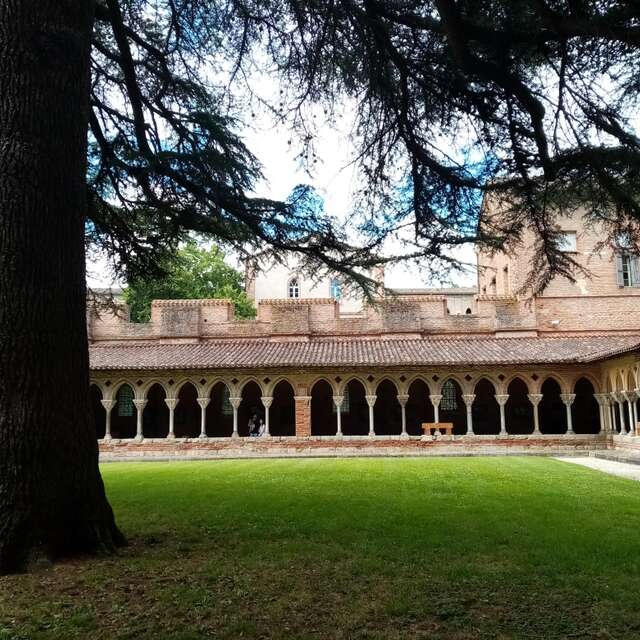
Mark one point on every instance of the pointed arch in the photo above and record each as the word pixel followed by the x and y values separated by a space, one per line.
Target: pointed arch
pixel 282 413
pixel 387 411
pixel 123 414
pixel 355 411
pixel 187 411
pixel 251 394
pixel 452 407
pixel 149 384
pixel 518 410
pixel 219 414
pixel 155 417
pixel 585 411
pixel 419 408
pixel 269 388
pixel 485 409
pixel 551 410
pixel 429 384
pixel 558 379
pixel 351 377
pixel 323 409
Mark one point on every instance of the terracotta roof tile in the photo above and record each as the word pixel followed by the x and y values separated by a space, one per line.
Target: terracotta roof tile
pixel 359 352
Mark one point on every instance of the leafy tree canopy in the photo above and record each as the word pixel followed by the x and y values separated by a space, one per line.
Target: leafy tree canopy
pixel 193 272
pixel 528 103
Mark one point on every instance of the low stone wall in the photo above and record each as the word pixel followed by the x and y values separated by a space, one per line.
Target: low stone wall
pixel 350 446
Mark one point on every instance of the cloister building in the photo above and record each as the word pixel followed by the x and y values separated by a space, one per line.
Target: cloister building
pixel 508 373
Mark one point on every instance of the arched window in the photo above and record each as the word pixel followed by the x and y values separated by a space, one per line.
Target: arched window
pixel 449 401
pixel 293 289
pixel 125 401
pixel 335 289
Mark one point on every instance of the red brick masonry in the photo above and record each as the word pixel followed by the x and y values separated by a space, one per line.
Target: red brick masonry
pixel 351 446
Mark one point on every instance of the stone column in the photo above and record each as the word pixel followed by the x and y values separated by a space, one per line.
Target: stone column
pixel 635 408
pixel 235 403
pixel 620 401
pixel 204 403
pixel 338 400
pixel 468 399
pixel 303 416
pixel 568 399
pixel 108 407
pixel 371 400
pixel 535 399
pixel 171 403
pixel 140 404
pixel 266 403
pixel 501 399
pixel 629 396
pixel 602 401
pixel 435 401
pixel 403 398
pixel 612 412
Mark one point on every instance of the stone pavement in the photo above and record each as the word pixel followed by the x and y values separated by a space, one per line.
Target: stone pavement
pixel 622 469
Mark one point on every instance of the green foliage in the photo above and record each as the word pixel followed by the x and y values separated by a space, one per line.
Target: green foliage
pixel 192 272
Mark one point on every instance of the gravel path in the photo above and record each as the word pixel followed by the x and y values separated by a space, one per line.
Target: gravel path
pixel 622 469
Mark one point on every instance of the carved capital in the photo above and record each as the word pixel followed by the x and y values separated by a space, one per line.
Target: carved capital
pixel 629 396
pixel 266 401
pixel 108 404
pixel 468 398
pixel 171 403
pixel 535 398
pixel 568 398
pixel 140 403
pixel 403 398
pixel 371 400
pixel 502 398
pixel 338 400
pixel 204 402
pixel 235 401
pixel 435 399
pixel 602 399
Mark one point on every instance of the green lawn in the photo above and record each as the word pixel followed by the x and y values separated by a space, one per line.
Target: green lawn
pixel 365 548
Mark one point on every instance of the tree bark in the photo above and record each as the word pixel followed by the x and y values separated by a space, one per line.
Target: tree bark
pixel 51 492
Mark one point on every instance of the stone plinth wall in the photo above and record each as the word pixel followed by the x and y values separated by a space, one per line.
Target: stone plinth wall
pixel 348 446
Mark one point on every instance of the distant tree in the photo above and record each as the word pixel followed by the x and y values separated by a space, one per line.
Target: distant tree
pixel 193 272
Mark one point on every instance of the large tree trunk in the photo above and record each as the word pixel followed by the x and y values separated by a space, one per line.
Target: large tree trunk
pixel 51 492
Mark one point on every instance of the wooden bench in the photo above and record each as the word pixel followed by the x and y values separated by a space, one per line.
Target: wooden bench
pixel 438 428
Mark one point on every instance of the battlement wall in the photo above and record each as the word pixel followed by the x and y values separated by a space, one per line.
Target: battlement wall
pixel 406 316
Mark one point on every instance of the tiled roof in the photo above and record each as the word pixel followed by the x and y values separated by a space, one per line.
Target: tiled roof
pixel 245 354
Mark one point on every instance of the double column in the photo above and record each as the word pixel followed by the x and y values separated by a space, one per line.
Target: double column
pixel 631 397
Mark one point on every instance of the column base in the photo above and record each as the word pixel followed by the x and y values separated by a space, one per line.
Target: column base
pixel 171 436
pixel 203 436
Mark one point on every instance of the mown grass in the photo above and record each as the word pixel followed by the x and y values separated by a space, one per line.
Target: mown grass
pixel 360 548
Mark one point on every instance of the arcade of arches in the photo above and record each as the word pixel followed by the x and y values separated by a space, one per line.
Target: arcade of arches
pixel 386 405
